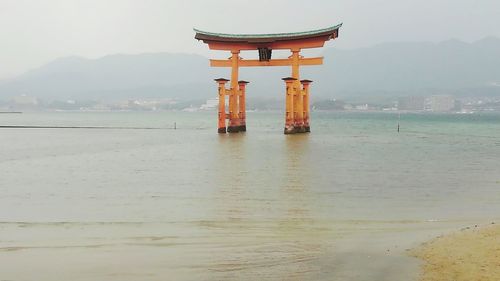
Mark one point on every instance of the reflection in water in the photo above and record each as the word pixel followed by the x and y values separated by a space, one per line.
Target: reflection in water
pixel 264 234
pixel 296 181
pixel 230 172
pixel 298 223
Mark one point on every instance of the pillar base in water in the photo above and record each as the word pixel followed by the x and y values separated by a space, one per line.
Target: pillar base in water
pixel 296 129
pixel 233 129
pixel 242 128
pixel 221 130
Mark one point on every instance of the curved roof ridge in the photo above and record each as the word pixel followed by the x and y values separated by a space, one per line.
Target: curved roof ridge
pixel 271 35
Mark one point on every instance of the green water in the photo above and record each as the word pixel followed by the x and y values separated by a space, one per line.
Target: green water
pixel 341 203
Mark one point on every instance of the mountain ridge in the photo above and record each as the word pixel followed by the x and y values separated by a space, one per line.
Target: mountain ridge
pixel 393 68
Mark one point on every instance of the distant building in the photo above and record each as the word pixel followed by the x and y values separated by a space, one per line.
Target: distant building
pixel 362 107
pixel 210 104
pixel 411 103
pixel 191 108
pixel 441 103
pixel 458 106
pixel 24 100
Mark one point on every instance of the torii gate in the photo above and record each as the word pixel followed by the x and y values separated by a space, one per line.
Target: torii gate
pixel 297 91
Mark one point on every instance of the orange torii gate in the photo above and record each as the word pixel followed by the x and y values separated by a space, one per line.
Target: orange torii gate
pixel 297 91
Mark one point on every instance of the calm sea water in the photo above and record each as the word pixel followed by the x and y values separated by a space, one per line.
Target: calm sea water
pixel 341 203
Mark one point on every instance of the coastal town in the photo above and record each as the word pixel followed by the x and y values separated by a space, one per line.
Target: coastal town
pixel 432 103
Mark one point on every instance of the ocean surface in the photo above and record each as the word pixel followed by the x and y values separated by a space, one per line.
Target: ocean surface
pixel 142 201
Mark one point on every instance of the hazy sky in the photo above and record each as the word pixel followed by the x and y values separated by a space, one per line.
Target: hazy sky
pixel 38 31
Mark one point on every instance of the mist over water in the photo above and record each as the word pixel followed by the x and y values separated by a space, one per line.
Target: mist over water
pixel 341 203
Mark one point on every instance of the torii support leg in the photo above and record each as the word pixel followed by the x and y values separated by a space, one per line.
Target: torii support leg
pixel 289 111
pixel 297 106
pixel 299 110
pixel 242 105
pixel 222 105
pixel 306 106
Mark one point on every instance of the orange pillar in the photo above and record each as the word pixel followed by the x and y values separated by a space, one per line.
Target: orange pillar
pixel 298 114
pixel 222 105
pixel 299 109
pixel 306 106
pixel 295 64
pixel 289 116
pixel 242 105
pixel 234 123
pixel 296 83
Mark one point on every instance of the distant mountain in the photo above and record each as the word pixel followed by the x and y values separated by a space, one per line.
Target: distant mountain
pixel 413 68
pixel 115 76
pixel 390 69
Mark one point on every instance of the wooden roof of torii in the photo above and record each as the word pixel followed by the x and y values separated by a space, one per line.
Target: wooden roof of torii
pixel 307 39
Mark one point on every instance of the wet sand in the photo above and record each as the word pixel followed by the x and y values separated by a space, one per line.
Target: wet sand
pixel 470 254
pixel 215 250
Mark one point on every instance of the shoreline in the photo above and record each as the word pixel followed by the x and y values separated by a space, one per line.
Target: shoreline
pixel 472 253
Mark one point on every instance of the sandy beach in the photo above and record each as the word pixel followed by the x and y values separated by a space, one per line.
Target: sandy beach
pixel 472 253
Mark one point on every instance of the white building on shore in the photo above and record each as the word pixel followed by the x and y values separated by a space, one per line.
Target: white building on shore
pixel 210 104
pixel 441 103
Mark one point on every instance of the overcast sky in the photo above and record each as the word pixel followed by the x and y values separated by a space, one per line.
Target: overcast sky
pixel 34 32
